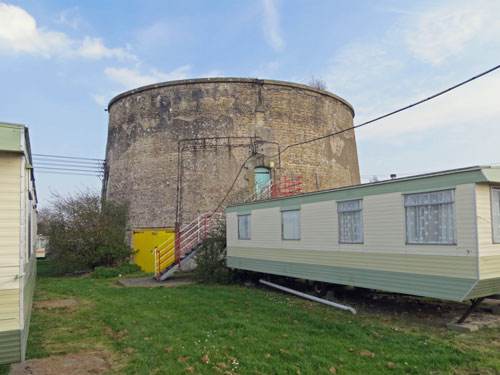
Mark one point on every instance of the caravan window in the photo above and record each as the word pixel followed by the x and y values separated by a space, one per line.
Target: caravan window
pixel 495 213
pixel 244 232
pixel 350 221
pixel 290 225
pixel 430 218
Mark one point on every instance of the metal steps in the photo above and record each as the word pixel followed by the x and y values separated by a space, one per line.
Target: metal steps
pixel 170 255
pixel 170 271
pixel 184 259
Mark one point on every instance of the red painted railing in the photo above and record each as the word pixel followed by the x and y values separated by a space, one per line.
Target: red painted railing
pixel 185 240
pixel 285 187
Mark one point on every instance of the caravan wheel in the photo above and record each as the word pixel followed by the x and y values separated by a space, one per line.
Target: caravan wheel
pixel 319 289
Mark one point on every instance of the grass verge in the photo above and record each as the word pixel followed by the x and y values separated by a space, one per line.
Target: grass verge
pixel 211 329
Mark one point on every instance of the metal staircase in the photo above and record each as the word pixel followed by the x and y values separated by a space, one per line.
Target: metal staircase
pixel 180 249
pixel 284 187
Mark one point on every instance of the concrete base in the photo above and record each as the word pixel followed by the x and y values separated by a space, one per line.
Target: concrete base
pixel 464 327
pixel 149 282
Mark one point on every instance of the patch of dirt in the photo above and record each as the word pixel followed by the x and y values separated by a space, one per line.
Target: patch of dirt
pixel 82 363
pixel 83 273
pixel 428 310
pixel 149 282
pixel 414 309
pixel 115 335
pixel 55 303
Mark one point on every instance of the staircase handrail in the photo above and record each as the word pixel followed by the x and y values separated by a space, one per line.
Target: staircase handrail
pixel 161 250
pixel 167 249
pixel 205 221
pixel 187 243
pixel 258 194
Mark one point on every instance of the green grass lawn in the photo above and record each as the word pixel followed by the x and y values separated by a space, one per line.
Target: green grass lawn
pixel 213 329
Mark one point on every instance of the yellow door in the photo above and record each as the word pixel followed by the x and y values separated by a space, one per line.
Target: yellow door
pixel 145 243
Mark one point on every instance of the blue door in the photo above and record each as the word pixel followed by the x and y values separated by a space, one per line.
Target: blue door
pixel 262 179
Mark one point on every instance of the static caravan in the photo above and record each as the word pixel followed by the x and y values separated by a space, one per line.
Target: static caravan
pixel 434 235
pixel 41 246
pixel 17 241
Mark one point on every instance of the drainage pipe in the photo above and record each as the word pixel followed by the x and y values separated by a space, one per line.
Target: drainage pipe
pixel 307 296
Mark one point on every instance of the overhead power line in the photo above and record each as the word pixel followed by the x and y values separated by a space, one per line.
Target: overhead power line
pixel 67 173
pixel 92 167
pixel 75 163
pixel 360 125
pixel 67 169
pixel 70 165
pixel 232 186
pixel 68 157
pixel 393 112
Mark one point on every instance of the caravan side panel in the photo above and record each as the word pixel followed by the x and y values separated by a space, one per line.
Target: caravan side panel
pixel 29 290
pixel 10 193
pixel 489 252
pixel 382 261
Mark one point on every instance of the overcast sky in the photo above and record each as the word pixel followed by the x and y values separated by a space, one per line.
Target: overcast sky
pixel 62 61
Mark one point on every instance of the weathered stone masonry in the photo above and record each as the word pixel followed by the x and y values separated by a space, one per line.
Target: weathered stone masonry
pixel 146 125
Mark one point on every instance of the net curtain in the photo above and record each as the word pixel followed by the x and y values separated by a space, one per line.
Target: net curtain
pixel 291 224
pixel 430 218
pixel 350 221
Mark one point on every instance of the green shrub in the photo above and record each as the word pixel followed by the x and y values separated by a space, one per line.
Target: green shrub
pixel 127 268
pixel 102 272
pixel 85 232
pixel 211 259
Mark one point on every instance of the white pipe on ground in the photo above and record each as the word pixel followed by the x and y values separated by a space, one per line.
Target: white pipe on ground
pixel 307 296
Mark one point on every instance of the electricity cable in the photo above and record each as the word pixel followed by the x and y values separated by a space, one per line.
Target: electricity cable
pixel 67 157
pixel 68 169
pixel 45 164
pixel 359 126
pixel 232 185
pixel 391 113
pixel 69 173
pixel 71 165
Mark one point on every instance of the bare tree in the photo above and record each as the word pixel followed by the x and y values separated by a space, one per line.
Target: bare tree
pixel 317 83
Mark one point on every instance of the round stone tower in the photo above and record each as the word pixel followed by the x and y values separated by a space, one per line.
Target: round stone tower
pixel 175 148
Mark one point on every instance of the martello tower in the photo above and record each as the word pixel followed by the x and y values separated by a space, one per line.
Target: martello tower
pixel 175 148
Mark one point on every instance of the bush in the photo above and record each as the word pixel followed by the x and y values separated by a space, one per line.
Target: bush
pixel 129 268
pixel 211 259
pixel 102 272
pixel 85 232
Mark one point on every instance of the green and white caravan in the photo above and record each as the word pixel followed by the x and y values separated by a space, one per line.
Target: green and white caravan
pixel 434 235
pixel 17 240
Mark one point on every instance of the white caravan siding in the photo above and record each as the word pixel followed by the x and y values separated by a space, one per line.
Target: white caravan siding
pixel 10 234
pixel 489 252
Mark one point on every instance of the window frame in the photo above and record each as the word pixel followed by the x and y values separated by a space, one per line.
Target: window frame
pixel 30 230
pixel 342 242
pixel 283 225
pixel 493 240
pixel 454 243
pixel 249 227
